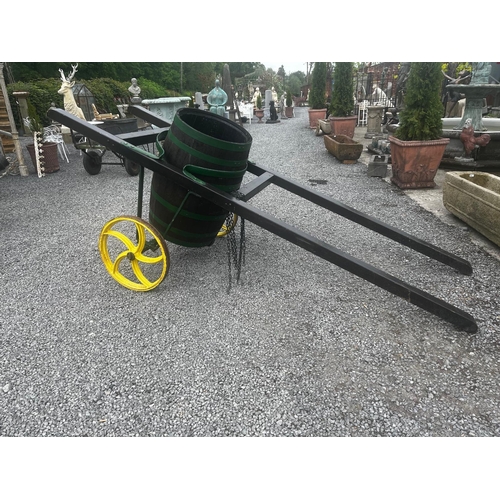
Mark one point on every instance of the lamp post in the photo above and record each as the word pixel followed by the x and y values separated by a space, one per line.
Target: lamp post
pixel 23 169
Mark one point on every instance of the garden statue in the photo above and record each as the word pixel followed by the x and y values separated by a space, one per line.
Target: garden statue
pixel 67 91
pixel 217 99
pixel 135 90
pixel 274 94
pixel 480 72
pixel 282 105
pixel 454 96
pixel 255 95
pixel 272 113
pixel 379 97
pixel 470 141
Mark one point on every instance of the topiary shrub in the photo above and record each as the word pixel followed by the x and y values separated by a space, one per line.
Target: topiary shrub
pixel 288 100
pixel 318 86
pixel 420 120
pixel 342 103
pixel 258 103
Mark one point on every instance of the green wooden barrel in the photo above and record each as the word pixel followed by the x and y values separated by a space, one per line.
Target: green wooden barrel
pixel 208 147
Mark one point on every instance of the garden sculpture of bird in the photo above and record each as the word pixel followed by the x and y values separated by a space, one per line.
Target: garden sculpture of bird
pixel 468 139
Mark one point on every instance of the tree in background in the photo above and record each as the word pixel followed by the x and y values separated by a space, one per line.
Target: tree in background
pixel 317 98
pixel 174 77
pixel 342 96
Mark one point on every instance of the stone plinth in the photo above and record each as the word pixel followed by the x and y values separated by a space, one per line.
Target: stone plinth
pixel 22 99
pixel 377 166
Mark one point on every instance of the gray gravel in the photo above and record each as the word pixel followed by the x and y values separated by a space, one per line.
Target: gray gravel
pixel 299 347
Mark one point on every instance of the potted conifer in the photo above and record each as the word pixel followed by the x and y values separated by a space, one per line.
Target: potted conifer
pixel 259 112
pixel 342 120
pixel 417 147
pixel 317 108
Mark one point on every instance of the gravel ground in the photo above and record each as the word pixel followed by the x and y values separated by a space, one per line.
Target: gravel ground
pixel 299 347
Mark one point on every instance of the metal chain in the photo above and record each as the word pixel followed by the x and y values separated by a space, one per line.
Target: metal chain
pixel 233 257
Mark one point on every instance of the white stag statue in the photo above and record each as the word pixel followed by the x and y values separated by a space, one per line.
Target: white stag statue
pixel 67 91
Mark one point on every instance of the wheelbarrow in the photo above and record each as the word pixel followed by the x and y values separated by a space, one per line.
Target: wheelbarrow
pixel 93 152
pixel 197 193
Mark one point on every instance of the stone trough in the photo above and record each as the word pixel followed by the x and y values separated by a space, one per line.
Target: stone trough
pixel 474 197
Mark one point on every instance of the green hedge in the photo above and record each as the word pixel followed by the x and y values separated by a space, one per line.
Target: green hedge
pixel 107 94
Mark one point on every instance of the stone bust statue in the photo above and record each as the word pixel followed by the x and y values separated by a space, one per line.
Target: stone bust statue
pixel 135 90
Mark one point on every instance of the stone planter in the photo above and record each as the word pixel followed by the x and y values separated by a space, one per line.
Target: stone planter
pixel 289 111
pixel 315 115
pixel 343 125
pixel 415 163
pixel 166 107
pixel 474 197
pixel 343 148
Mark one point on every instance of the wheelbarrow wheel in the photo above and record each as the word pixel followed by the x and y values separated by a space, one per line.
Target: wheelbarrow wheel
pixel 92 162
pixel 227 227
pixel 131 167
pixel 134 253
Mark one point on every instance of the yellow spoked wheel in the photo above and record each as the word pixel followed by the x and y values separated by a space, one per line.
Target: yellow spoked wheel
pixel 134 253
pixel 227 228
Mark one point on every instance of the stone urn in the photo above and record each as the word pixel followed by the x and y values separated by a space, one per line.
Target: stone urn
pixel 259 113
pixel 343 148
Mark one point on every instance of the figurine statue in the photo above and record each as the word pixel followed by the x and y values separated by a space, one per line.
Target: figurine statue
pixel 255 95
pixel 480 72
pixel 274 95
pixel 217 99
pixel 469 140
pixel 66 90
pixel 282 105
pixel 135 90
pixel 272 112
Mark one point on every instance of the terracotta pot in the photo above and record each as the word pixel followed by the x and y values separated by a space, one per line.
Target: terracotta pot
pixel 343 148
pixel 343 125
pixel 51 160
pixel 289 111
pixel 315 115
pixel 415 163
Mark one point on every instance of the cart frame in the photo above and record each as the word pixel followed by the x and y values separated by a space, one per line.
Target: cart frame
pixel 94 152
pixel 237 202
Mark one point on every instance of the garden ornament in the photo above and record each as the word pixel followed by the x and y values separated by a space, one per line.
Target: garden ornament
pixel 67 91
